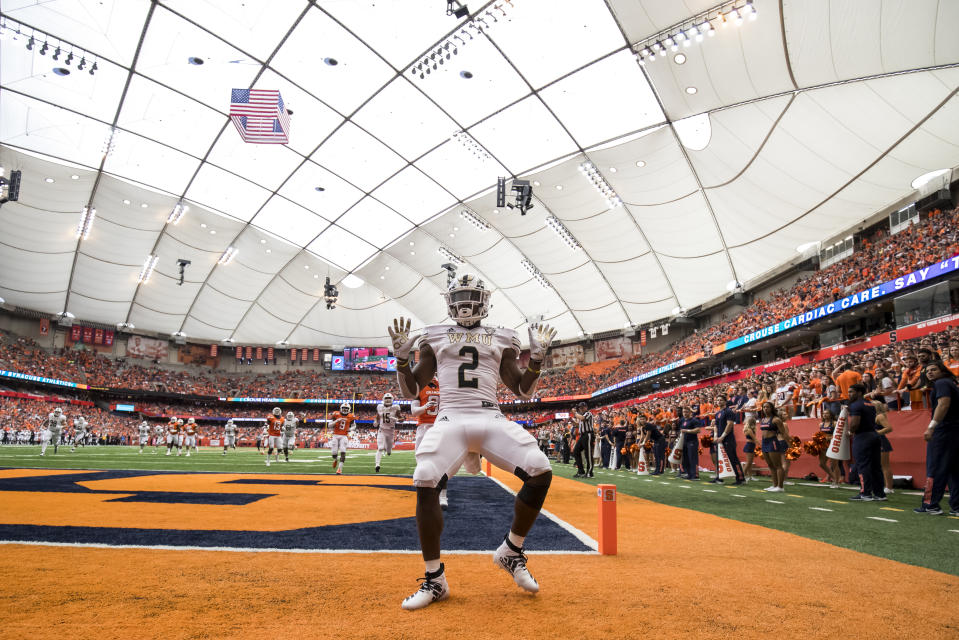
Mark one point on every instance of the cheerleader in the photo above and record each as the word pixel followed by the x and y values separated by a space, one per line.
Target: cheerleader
pixel 773 445
pixel 749 433
pixel 828 465
pixel 885 447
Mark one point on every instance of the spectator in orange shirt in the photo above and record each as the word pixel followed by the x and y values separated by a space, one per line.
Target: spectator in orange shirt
pixel 845 376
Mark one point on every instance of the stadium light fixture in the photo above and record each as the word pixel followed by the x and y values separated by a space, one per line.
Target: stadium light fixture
pixel 177 214
pixel 228 255
pixel 449 255
pixel 148 266
pixel 537 274
pixel 692 30
pixel 599 182
pixel 476 221
pixel 86 222
pixel 560 229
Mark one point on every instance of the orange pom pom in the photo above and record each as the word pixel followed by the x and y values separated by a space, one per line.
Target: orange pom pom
pixel 649 445
pixel 623 451
pixel 634 448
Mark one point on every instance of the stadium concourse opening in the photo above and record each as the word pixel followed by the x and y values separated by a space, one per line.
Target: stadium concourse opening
pixel 352 313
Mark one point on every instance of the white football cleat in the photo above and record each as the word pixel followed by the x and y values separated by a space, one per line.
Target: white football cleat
pixel 187 454
pixel 513 561
pixel 433 589
pixel 267 462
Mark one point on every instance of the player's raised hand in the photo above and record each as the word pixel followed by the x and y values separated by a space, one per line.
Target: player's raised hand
pixel 400 335
pixel 540 337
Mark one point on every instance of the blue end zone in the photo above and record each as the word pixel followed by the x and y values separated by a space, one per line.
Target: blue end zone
pixel 478 517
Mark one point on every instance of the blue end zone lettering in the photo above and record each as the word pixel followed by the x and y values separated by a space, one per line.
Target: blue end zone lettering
pixel 479 515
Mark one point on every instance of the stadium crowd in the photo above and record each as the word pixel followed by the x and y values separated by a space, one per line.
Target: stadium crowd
pixel 881 257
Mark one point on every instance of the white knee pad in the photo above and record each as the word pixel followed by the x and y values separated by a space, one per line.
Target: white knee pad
pixel 427 474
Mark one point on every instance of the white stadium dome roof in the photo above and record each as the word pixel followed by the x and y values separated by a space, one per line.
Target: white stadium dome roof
pixel 786 130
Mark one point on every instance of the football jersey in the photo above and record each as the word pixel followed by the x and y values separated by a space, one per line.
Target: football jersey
pixel 428 416
pixel 173 428
pixel 387 417
pixel 784 394
pixel 289 428
pixel 55 423
pixel 158 430
pixel 273 425
pixel 80 424
pixel 144 430
pixel 229 429
pixel 341 423
pixel 190 429
pixel 468 361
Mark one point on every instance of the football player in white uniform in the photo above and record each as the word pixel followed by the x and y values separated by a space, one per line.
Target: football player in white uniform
pixel 289 434
pixel 144 430
pixel 469 360
pixel 229 435
pixel 79 433
pixel 158 432
pixel 387 415
pixel 54 429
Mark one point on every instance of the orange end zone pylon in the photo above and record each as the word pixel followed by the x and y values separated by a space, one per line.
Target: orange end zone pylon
pixel 606 496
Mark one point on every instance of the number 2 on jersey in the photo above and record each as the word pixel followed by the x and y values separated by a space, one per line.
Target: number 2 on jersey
pixel 464 382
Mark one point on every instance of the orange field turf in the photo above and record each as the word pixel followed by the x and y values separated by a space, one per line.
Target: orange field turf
pixel 679 574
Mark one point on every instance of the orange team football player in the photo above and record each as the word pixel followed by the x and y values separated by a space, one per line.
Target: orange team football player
pixel 274 430
pixel 424 408
pixel 342 422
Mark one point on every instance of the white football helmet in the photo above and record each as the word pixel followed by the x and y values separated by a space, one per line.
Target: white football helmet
pixel 179 421
pixel 191 421
pixel 467 299
pixel 290 416
pixel 344 408
pixel 388 400
pixel 276 411
pixel 57 411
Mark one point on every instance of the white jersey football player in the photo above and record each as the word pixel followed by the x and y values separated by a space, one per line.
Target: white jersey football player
pixel 80 427
pixel 469 360
pixel 387 415
pixel 52 431
pixel 289 434
pixel 158 432
pixel 229 435
pixel 144 430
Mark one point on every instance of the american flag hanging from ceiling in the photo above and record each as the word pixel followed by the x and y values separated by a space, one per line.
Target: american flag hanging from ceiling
pixel 260 116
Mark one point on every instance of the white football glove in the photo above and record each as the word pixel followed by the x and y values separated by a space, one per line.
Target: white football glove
pixel 540 337
pixel 400 335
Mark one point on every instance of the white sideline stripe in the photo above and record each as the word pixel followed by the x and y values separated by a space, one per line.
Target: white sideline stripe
pixel 820 509
pixel 576 533
pixel 164 547
pixel 881 519
pixel 775 501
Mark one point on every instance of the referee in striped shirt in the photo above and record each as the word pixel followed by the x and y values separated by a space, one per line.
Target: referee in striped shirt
pixel 585 442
